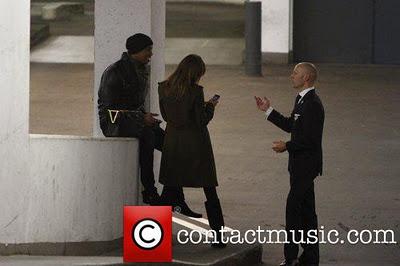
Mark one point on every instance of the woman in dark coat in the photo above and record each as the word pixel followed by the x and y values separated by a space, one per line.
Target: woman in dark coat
pixel 187 159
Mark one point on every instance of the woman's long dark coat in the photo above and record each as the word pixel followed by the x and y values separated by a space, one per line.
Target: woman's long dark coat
pixel 187 156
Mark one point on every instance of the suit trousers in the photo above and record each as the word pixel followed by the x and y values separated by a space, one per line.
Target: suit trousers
pixel 151 138
pixel 301 215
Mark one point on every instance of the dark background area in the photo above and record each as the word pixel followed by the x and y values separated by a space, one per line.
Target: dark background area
pixel 342 31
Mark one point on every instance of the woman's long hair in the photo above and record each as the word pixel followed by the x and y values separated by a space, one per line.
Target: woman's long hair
pixel 186 75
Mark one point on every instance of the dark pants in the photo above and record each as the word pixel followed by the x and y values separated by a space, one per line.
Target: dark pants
pixel 175 194
pixel 300 215
pixel 150 139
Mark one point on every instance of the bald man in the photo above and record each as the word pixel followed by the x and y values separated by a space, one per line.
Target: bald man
pixel 305 125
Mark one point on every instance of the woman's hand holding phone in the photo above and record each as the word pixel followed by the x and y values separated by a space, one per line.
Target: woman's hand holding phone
pixel 214 100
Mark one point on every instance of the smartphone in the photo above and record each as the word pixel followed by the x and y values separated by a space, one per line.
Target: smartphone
pixel 215 97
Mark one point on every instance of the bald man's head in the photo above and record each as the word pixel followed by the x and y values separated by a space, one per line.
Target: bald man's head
pixel 309 69
pixel 304 75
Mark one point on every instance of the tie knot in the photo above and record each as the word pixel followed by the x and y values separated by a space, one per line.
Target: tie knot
pixel 297 99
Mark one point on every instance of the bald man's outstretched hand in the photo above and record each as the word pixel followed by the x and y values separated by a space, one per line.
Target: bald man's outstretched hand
pixel 262 103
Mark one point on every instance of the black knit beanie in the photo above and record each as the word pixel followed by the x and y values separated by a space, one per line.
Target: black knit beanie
pixel 137 43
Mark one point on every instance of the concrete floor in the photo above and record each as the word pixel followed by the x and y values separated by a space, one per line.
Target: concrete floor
pixel 360 185
pixel 80 49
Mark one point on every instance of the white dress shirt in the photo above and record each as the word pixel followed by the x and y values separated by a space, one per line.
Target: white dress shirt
pixel 302 93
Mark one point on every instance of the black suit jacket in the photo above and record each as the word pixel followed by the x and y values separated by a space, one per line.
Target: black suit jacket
pixel 305 125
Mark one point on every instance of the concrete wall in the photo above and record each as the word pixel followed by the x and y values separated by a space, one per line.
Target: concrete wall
pixel 57 189
pixel 78 186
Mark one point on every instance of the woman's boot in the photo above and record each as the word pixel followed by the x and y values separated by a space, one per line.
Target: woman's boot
pixel 174 197
pixel 181 206
pixel 216 221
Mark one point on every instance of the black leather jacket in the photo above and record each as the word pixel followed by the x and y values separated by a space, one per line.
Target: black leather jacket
pixel 122 87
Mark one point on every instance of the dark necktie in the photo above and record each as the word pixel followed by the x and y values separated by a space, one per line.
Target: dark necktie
pixel 297 100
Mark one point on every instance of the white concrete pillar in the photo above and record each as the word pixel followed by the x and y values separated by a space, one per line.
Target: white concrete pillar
pixel 115 21
pixel 14 118
pixel 157 66
pixel 276 30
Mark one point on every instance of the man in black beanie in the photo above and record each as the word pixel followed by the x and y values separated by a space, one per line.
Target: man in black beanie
pixel 122 93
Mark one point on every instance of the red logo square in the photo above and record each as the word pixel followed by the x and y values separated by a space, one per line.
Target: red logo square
pixel 147 234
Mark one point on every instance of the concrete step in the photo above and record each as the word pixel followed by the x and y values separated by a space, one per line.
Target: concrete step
pixel 56 10
pixel 39 33
pixel 183 254
pixel 64 49
pixel 203 254
pixel 214 51
pixel 80 49
pixel 61 10
pixel 36 9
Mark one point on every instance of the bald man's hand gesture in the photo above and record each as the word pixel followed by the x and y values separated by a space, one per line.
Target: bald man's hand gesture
pixel 262 104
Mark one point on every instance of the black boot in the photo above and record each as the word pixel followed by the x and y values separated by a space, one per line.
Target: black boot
pixel 216 221
pixel 174 197
pixel 181 206
pixel 151 197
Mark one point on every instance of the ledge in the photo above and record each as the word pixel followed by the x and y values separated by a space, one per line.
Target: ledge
pixel 72 137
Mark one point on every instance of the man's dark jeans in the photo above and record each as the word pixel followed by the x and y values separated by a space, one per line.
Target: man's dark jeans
pixel 150 139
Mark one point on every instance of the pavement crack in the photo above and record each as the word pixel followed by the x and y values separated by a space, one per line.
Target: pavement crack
pixel 15 218
pixel 344 227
